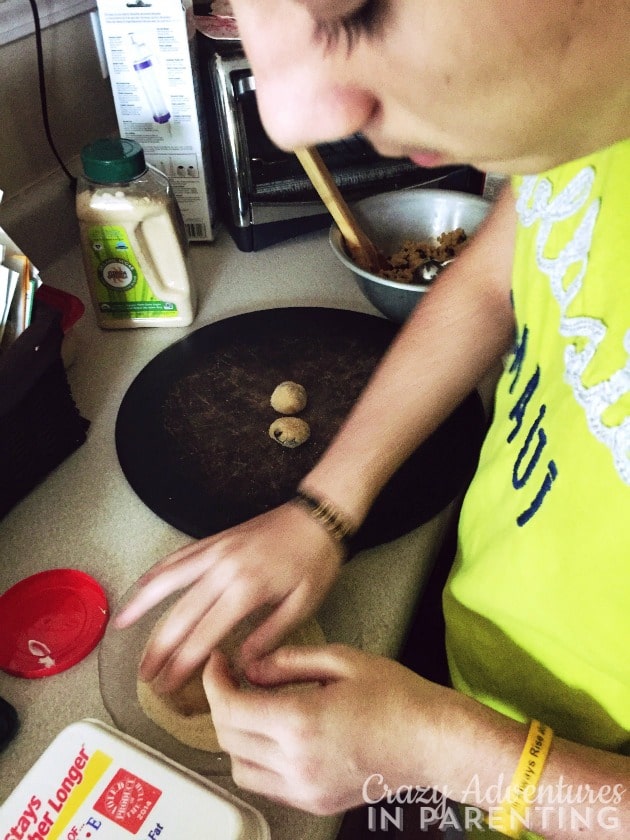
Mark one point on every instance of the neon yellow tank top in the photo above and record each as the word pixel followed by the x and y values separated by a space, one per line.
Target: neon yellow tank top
pixel 537 606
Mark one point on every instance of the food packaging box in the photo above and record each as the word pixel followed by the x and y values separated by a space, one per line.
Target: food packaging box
pixel 151 52
pixel 94 782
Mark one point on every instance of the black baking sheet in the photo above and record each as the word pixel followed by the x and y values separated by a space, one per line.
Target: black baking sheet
pixel 192 430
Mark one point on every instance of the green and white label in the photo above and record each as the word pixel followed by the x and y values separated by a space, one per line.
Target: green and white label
pixel 122 290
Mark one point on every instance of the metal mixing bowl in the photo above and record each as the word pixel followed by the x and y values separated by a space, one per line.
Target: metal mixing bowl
pixel 391 218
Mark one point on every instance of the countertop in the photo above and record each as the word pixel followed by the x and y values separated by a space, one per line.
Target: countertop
pixel 86 516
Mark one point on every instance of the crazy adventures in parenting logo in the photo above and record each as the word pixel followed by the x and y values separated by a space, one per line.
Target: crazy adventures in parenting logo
pixel 558 806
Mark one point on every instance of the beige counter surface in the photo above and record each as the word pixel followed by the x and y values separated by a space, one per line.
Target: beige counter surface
pixel 85 515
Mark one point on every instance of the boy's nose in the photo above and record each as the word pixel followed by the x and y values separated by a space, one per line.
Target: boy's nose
pixel 299 112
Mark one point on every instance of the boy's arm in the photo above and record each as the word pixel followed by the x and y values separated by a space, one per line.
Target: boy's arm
pixel 457 333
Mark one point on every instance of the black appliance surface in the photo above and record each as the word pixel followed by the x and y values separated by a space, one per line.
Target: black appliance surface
pixel 263 194
pixel 192 430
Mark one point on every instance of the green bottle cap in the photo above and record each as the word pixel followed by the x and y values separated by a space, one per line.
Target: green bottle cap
pixel 113 160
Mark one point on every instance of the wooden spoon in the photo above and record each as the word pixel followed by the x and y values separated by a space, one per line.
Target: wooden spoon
pixel 362 249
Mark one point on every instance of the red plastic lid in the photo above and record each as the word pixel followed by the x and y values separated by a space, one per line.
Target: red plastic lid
pixel 70 306
pixel 50 621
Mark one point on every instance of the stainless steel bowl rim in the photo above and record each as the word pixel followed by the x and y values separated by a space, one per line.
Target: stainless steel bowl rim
pixel 337 242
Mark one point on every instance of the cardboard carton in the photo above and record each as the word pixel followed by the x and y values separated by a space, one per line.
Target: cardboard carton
pixel 151 54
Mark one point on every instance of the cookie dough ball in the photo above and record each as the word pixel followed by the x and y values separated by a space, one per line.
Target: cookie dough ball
pixel 288 398
pixel 290 431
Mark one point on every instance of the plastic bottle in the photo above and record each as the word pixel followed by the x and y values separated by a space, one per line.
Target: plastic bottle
pixel 145 69
pixel 135 250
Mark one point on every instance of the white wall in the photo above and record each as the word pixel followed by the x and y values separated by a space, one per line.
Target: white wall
pixel 16 16
pixel 80 101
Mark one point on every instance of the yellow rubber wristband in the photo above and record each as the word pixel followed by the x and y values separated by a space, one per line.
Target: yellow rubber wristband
pixel 509 817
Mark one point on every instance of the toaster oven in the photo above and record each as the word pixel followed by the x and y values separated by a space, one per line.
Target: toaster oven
pixel 263 194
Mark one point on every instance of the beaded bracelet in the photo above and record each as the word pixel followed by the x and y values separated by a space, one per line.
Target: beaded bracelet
pixel 326 515
pixel 509 817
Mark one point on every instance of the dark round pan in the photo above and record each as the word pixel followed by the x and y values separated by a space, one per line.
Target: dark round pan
pixel 192 430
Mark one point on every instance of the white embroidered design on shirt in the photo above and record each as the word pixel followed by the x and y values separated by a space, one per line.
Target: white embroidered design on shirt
pixel 536 203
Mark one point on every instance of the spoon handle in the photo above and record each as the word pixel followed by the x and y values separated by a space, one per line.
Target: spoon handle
pixel 361 247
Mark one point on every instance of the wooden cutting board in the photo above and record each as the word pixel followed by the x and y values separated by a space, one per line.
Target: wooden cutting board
pixel 192 430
